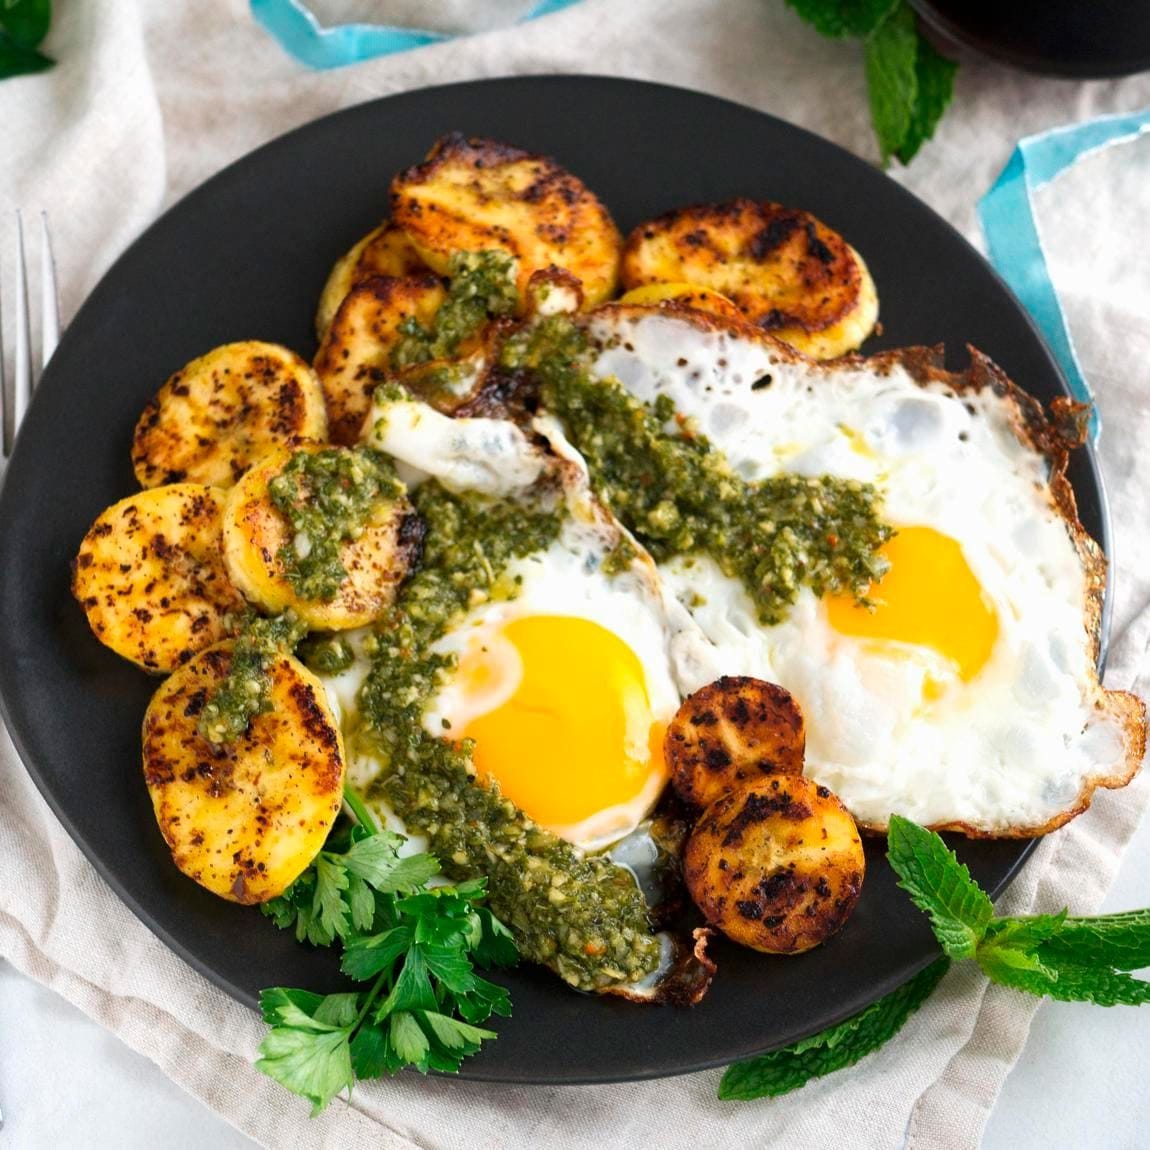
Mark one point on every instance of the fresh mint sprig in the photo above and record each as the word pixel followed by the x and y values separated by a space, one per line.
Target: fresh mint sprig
pixel 23 26
pixel 413 948
pixel 1048 955
pixel 836 1048
pixel 909 84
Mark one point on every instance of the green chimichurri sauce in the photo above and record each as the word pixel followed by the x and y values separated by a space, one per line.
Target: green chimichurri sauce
pixel 327 498
pixel 245 691
pixel 326 654
pixel 482 287
pixel 582 916
pixel 678 494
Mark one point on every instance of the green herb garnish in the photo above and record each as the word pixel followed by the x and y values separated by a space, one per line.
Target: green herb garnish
pixel 328 498
pixel 909 84
pixel 23 26
pixel 413 948
pixel 1048 955
pixel 680 496
pixel 836 1048
pixel 482 287
pixel 246 689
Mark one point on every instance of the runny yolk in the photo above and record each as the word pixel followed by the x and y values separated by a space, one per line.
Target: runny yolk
pixel 930 598
pixel 576 737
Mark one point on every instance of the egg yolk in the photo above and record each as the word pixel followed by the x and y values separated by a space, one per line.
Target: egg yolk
pixel 576 736
pixel 929 597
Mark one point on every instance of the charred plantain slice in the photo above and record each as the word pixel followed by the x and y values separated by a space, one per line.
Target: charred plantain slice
pixel 731 732
pixel 473 195
pixel 777 866
pixel 150 575
pixel 355 355
pixel 244 818
pixel 221 412
pixel 384 251
pixel 787 272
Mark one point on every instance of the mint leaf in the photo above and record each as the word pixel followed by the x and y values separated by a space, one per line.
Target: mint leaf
pixel 1118 940
pixel 1068 982
pixel 25 23
pixel 939 884
pixel 841 1046
pixel 18 61
pixel 892 80
pixel 838 18
pixel 934 89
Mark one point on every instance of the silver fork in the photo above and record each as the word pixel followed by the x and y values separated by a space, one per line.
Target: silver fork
pixel 16 389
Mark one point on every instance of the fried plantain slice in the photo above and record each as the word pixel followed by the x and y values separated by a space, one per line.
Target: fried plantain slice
pixel 777 865
pixel 246 817
pixel 788 273
pixel 475 195
pixel 221 412
pixel 384 251
pixel 257 537
pixel 355 355
pixel 731 732
pixel 150 575
pixel 683 295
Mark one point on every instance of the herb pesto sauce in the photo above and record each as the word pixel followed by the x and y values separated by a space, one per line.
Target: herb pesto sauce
pixel 584 917
pixel 245 690
pixel 482 287
pixel 327 498
pixel 678 494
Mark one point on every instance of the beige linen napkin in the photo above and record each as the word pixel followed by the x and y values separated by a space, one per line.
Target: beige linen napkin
pixel 150 99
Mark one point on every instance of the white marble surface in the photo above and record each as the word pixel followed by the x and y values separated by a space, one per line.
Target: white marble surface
pixel 64 1081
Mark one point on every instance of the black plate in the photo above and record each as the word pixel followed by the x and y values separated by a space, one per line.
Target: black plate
pixel 244 257
pixel 1078 39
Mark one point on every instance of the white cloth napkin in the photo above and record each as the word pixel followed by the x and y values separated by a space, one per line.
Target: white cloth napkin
pixel 150 99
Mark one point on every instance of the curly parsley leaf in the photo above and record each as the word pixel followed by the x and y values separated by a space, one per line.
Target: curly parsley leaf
pixel 834 1049
pixel 909 84
pixel 414 951
pixel 960 911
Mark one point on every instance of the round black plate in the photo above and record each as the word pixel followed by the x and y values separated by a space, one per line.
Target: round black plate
pixel 1078 39
pixel 244 257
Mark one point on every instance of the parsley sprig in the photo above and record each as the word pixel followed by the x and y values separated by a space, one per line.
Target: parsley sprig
pixel 413 947
pixel 908 83
pixel 1049 955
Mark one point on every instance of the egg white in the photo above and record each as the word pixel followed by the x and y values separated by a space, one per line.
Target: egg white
pixel 496 458
pixel 1010 748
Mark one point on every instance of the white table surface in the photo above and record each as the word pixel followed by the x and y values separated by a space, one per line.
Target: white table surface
pixel 66 1082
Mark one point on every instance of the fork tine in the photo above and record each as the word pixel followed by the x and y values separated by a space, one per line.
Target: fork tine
pixel 7 415
pixel 49 297
pixel 22 371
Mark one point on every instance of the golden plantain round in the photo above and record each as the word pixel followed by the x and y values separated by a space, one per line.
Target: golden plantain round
pixel 150 575
pixel 244 818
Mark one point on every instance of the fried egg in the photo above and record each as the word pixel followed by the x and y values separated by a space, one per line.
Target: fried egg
pixel 564 679
pixel 967 696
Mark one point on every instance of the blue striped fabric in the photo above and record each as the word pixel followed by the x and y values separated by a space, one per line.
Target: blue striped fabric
pixel 1012 239
pixel 301 35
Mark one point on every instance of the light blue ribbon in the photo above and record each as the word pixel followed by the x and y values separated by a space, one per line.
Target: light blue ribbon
pixel 302 35
pixel 1012 240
